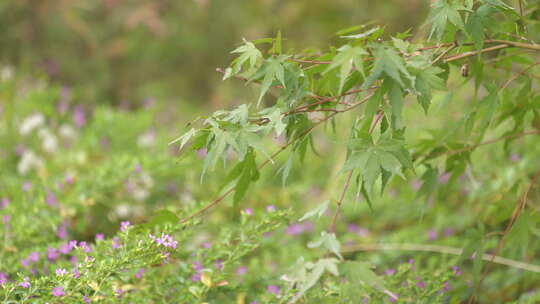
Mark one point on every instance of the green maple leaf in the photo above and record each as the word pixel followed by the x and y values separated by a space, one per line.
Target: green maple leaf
pixel 271 70
pixel 442 12
pixel 388 63
pixel 346 58
pixel 248 54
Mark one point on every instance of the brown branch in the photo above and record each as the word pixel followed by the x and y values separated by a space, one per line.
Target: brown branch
pixel 524 71
pixel 340 201
pixel 473 53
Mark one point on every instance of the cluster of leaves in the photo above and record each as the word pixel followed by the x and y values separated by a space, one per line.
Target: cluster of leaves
pixel 372 77
pixel 70 175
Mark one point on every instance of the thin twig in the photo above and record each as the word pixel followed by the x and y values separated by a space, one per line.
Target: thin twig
pixel 520 206
pixel 473 53
pixel 453 46
pixel 439 249
pixel 524 71
pixel 340 201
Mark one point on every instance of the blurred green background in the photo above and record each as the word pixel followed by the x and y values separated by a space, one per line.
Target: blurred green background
pixel 125 52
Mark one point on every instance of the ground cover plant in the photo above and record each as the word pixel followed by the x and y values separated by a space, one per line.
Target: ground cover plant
pixel 390 168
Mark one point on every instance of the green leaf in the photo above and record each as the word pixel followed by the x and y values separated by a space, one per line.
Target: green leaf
pixel 317 270
pixel 429 184
pixel 248 54
pixel 361 273
pixel 427 80
pixel 387 63
pixel 276 47
pixel 345 59
pixel 395 95
pixel 362 35
pixel 184 138
pixel 442 12
pixel 248 174
pixel 271 69
pixel 161 217
pixel 328 241
pixel 319 211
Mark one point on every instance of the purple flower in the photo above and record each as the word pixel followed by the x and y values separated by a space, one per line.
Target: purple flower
pixel 242 270
pixel 270 208
pixel 274 289
pixel 444 178
pixel 515 157
pixel 34 256
pixel 295 229
pixel 85 247
pixel 353 228
pixel 4 203
pixel 51 199
pixel 25 263
pixel 201 153
pixel 299 228
pixel 5 219
pixel 197 266
pixel 3 278
pixel 25 283
pixel 165 240
pixel 52 254
pixel 248 211
pixel 124 225
pixel 100 237
pixel 196 277
pixel 60 271
pixel 69 179
pixel 76 273
pixel 432 235
pixel 62 231
pixel 446 286
pixel 448 232
pixel 58 291
pixel 27 186
pixel 421 284
pixel 254 302
pixel 139 273
pixel 218 264
pixel 115 242
pixel 79 117
pixel 86 300
pixel 118 292
pixel 207 245
pixel 389 271
pixel 456 270
pixel 65 248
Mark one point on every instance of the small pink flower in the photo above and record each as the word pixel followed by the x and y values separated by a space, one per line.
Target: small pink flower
pixel 58 291
pixel 124 225
pixel 4 203
pixel 25 283
pixel 100 237
pixel 274 289
pixel 248 211
pixel 270 208
pixel 60 271
pixel 433 235
pixel 140 273
pixel 115 242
